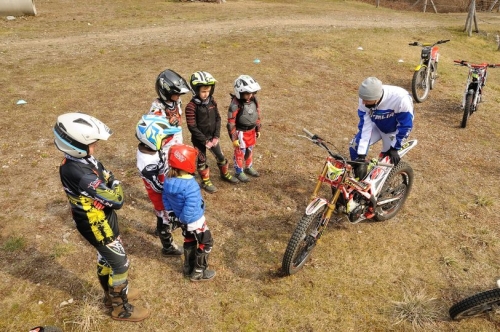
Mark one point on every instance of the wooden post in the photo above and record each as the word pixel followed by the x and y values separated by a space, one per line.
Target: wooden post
pixel 425 5
pixel 434 6
pixel 498 42
pixel 378 2
pixel 416 2
pixel 492 5
pixel 471 17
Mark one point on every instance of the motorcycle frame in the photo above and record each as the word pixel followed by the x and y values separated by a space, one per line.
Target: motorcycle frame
pixel 481 70
pixel 346 185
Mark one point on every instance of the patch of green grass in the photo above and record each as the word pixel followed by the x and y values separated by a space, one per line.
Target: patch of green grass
pixel 14 244
pixel 484 201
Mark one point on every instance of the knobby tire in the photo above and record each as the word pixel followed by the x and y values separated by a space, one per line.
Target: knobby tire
pixel 398 184
pixel 301 244
pixel 475 305
pixel 420 86
pixel 467 109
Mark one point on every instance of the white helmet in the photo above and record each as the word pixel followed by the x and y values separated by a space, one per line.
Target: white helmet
pixel 74 132
pixel 245 83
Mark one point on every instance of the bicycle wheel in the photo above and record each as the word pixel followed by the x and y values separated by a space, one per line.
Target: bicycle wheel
pixel 467 109
pixel 475 305
pixel 302 242
pixel 419 85
pixel 397 187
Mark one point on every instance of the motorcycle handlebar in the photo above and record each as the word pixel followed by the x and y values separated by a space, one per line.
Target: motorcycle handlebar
pixel 442 41
pixel 319 141
pixel 475 65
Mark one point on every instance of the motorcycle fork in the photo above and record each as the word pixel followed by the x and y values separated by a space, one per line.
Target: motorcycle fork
pixel 325 218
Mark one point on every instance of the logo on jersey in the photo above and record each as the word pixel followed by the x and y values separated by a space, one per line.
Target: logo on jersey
pixel 94 184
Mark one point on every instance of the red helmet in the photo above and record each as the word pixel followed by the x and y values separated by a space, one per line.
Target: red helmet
pixel 183 157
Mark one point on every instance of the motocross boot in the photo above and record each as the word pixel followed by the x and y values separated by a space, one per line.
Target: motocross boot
pixel 122 309
pixel 189 258
pixel 103 280
pixel 224 173
pixel 169 247
pixel 252 172
pixel 205 178
pixel 200 271
pixel 242 177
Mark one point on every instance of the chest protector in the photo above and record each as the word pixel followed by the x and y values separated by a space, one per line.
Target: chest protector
pixel 247 116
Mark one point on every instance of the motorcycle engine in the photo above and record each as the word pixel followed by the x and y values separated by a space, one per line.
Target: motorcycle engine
pixel 356 208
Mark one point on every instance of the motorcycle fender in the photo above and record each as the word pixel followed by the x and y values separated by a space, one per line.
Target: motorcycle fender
pixel 315 205
pixel 417 68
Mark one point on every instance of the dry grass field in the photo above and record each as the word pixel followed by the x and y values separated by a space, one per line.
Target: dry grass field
pixel 102 58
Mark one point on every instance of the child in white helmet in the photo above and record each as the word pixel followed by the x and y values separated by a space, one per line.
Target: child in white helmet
pixel 94 194
pixel 243 125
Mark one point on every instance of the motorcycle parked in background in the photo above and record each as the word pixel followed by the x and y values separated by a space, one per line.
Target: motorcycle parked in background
pixel 425 75
pixel 476 80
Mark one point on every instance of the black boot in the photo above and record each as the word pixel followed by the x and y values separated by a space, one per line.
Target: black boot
pixel 201 272
pixel 169 247
pixel 189 258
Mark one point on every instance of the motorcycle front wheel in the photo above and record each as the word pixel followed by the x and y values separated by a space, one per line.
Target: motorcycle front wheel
pixel 475 305
pixel 397 186
pixel 302 242
pixel 420 86
pixel 467 109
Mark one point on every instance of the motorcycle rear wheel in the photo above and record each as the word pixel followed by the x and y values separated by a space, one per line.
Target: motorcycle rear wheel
pixel 302 243
pixel 468 109
pixel 398 184
pixel 476 304
pixel 420 85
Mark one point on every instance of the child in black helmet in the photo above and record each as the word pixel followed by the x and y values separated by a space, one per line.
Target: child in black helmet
pixel 169 87
pixel 204 122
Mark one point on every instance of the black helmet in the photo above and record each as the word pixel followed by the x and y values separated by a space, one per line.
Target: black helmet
pixel 168 83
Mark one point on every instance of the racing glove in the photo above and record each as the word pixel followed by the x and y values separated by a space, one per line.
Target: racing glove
pixel 209 144
pixel 236 143
pixel 215 141
pixel 394 155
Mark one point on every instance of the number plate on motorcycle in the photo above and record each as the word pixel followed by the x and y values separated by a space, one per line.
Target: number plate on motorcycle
pixel 335 170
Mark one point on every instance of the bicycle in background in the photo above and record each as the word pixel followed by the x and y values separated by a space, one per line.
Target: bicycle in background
pixel 476 80
pixel 425 75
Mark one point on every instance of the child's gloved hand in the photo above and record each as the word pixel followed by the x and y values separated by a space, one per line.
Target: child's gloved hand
pixel 174 121
pixel 108 177
pixel 257 134
pixel 209 144
pixel 236 143
pixel 215 141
